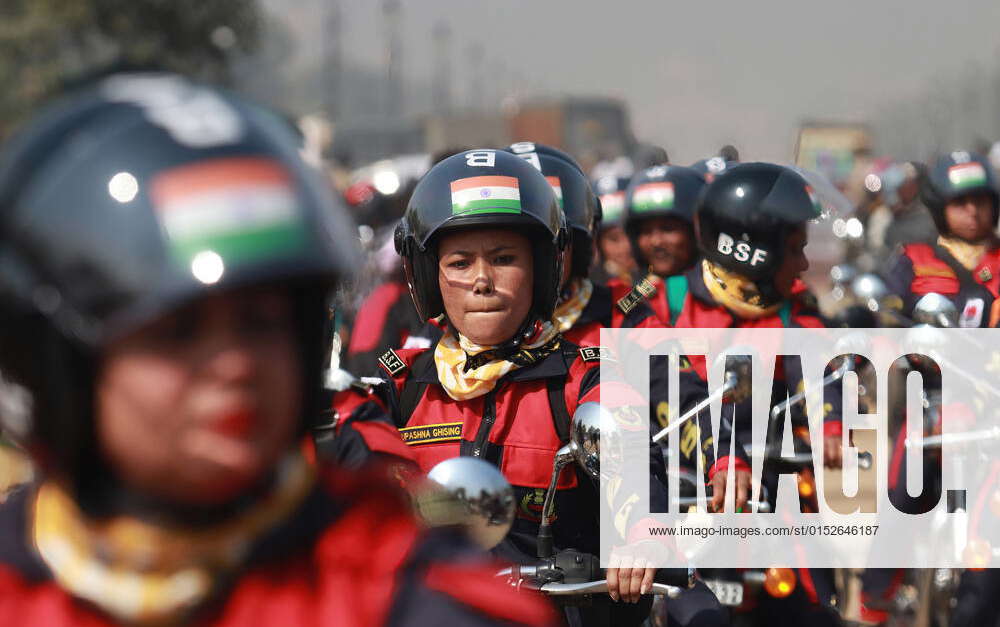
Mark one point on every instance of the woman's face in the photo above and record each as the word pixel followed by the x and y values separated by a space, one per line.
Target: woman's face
pixel 486 282
pixel 199 405
pixel 616 248
pixel 667 244
pixel 970 217
pixel 793 263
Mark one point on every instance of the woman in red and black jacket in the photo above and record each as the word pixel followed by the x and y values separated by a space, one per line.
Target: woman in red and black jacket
pixel 964 264
pixel 750 223
pixel 482 240
pixel 164 383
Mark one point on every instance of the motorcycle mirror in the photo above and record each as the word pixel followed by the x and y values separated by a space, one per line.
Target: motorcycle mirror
pixel 563 457
pixel 487 496
pixel 935 310
pixel 589 421
pixel 738 381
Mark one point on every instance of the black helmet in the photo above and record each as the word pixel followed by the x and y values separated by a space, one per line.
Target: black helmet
pixel 481 188
pixel 140 195
pixel 660 191
pixel 574 195
pixel 954 175
pixel 745 215
pixel 611 192
pixel 712 167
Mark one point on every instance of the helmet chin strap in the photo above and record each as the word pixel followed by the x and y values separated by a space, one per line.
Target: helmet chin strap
pixel 525 332
pixel 740 294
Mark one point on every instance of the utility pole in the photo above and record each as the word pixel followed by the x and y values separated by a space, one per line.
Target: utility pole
pixel 442 67
pixel 332 69
pixel 475 83
pixel 393 57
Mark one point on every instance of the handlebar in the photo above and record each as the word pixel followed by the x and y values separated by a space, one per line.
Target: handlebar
pixel 762 507
pixel 594 587
pixel 669 581
pixel 833 377
pixel 936 441
pixel 798 461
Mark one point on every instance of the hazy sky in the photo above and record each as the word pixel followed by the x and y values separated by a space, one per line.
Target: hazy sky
pixel 694 74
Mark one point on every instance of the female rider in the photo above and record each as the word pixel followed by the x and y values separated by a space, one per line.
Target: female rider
pixel 165 256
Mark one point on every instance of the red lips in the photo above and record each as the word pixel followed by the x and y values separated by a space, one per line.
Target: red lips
pixel 237 423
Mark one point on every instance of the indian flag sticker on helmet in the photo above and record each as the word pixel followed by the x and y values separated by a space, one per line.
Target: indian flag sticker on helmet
pixel 964 175
pixel 236 209
pixel 612 205
pixel 556 188
pixel 652 196
pixel 814 200
pixel 485 194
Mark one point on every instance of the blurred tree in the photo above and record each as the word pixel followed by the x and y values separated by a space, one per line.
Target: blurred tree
pixel 46 45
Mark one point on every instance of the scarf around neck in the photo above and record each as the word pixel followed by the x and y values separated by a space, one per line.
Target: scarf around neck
pixel 147 573
pixel 967 254
pixel 468 370
pixel 737 293
pixel 571 305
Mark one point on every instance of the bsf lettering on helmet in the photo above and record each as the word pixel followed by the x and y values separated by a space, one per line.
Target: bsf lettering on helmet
pixel 481 158
pixel 740 251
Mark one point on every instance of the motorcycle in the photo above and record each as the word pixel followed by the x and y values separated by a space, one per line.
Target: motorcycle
pixel 486 504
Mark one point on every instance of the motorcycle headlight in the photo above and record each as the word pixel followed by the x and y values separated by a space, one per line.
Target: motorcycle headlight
pixel 779 582
pixel 807 488
pixel 977 554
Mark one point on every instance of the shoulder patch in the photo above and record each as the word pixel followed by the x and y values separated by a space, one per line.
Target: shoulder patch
pixel 929 270
pixel 595 353
pixel 640 292
pixel 391 362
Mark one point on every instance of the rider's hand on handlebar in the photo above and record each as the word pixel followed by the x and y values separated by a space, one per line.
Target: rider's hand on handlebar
pixel 629 578
pixel 742 481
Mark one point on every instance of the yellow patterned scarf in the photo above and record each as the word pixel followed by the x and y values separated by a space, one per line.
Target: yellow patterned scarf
pixel 467 370
pixel 144 573
pixel 569 308
pixel 965 253
pixel 736 293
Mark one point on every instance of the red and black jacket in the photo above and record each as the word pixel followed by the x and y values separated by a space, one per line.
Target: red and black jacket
pixel 602 312
pixel 693 306
pixel 352 555
pixel 385 320
pixel 655 295
pixel 362 432
pixel 920 269
pixel 518 426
